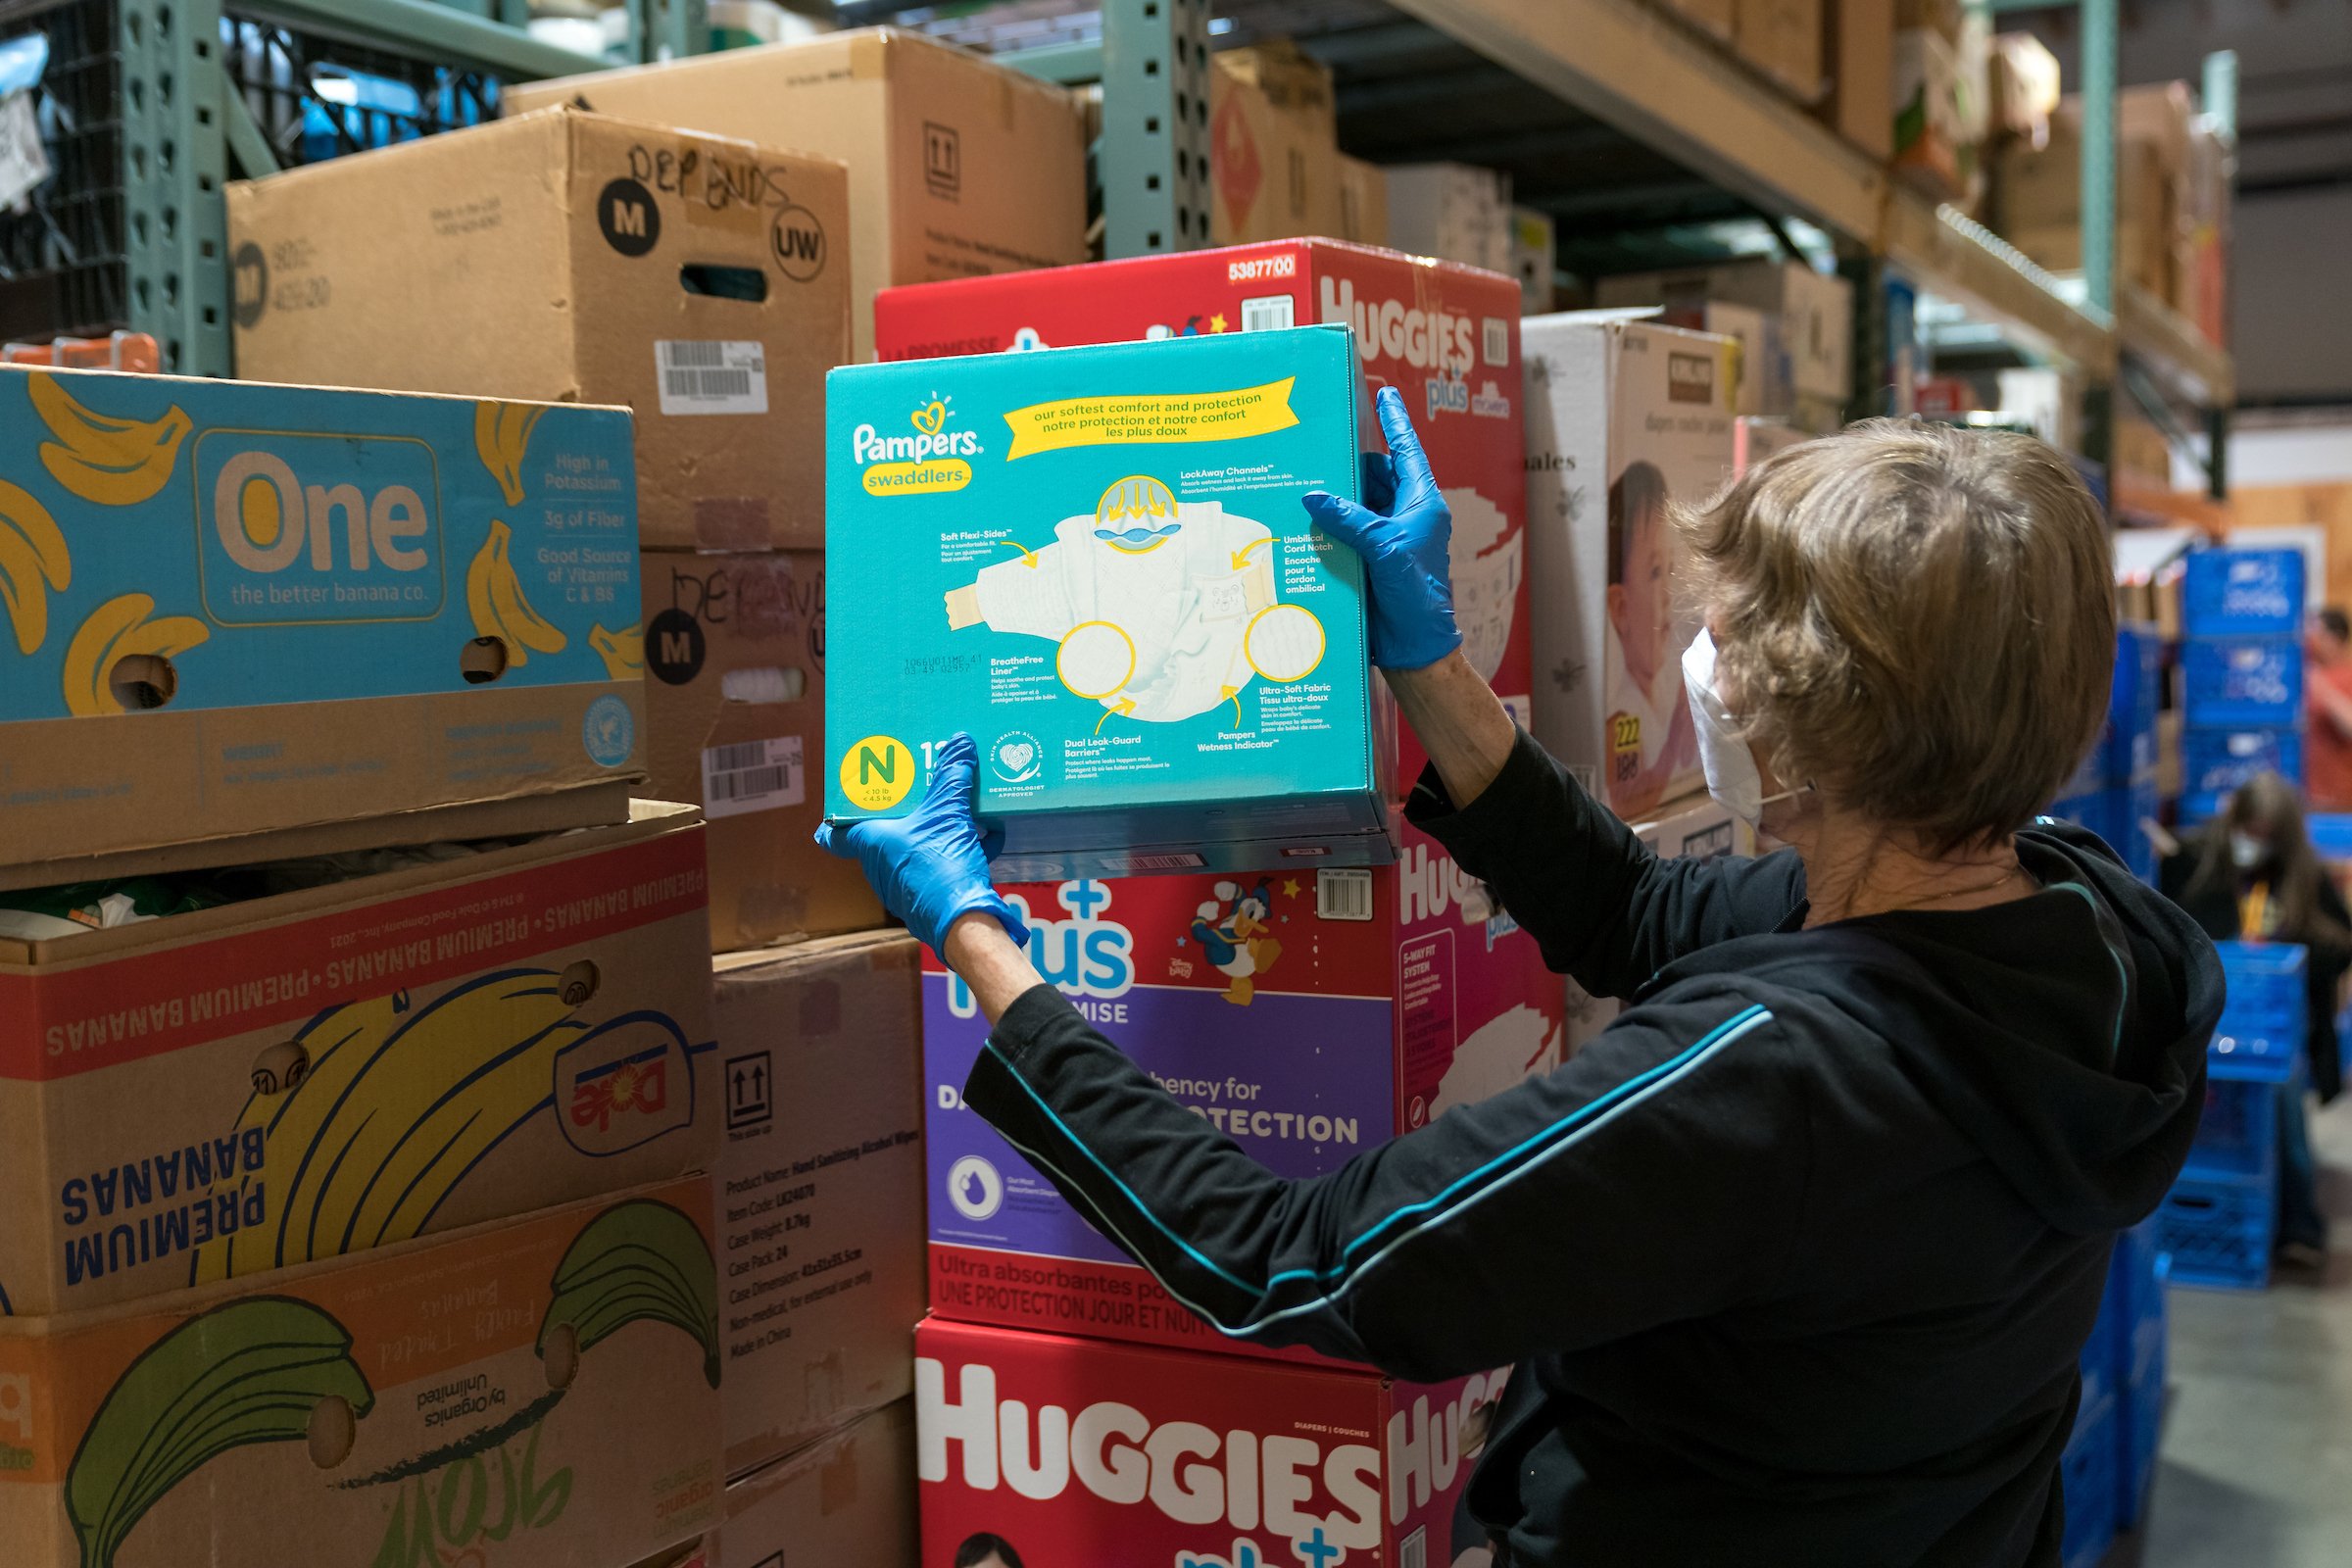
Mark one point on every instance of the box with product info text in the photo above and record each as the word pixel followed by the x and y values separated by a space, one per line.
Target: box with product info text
pixel 847 1498
pixel 1308 1014
pixel 540 1393
pixel 1096 561
pixel 347 1064
pixel 1179 1458
pixel 238 608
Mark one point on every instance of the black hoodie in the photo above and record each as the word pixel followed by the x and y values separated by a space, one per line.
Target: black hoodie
pixel 1794 1260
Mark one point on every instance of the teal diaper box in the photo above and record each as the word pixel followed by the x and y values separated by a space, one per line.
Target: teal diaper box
pixel 238 616
pixel 1094 561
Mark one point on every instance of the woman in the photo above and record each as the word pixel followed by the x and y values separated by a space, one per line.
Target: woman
pixel 1795 1260
pixel 2251 874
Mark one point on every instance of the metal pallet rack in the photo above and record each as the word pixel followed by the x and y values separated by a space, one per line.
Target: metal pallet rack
pixel 150 105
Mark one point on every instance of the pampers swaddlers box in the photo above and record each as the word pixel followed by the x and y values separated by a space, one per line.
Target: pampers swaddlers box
pixel 1096 561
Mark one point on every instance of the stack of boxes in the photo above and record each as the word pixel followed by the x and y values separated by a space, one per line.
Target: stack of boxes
pixel 2242 673
pixel 2114 793
pixel 1796 326
pixel 2218 1222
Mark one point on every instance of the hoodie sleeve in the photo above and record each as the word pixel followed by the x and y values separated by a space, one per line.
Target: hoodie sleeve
pixel 1655 1177
pixel 1599 904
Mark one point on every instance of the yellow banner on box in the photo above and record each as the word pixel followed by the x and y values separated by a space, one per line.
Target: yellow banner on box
pixel 1151 417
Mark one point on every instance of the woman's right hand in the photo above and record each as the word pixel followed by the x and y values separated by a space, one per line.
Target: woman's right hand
pixel 1402 530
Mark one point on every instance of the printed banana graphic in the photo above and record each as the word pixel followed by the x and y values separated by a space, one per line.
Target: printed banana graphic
pixel 494 596
pixel 251 1371
pixel 623 652
pixel 117 630
pixel 32 554
pixel 637 1260
pixel 113 462
pixel 502 433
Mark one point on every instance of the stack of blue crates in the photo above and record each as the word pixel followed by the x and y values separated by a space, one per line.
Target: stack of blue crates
pixel 2110 1460
pixel 2220 1218
pixel 2115 789
pixel 2241 672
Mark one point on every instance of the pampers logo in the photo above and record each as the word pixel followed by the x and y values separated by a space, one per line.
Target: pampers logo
pixel 927 463
pixel 311 528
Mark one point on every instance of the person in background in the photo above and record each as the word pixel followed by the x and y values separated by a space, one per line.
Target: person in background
pixel 2251 874
pixel 2328 701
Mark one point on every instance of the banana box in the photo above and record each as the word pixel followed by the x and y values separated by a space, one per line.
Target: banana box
pixel 1096 561
pixel 239 609
pixel 537 1394
pixel 846 1498
pixel 343 1066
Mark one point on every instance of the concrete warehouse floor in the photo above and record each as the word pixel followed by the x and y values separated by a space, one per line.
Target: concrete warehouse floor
pixel 2255 1469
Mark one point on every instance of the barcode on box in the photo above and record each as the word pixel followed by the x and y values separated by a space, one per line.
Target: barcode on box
pixel 1413 1551
pixel 1498 334
pixel 1268 313
pixel 1342 895
pixel 1129 865
pixel 751 776
pixel 711 378
pixel 1586 777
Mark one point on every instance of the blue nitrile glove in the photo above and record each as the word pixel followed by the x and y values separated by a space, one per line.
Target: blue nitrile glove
pixel 1401 530
pixel 931 865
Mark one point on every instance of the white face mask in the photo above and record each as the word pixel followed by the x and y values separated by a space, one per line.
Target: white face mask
pixel 2246 852
pixel 1733 777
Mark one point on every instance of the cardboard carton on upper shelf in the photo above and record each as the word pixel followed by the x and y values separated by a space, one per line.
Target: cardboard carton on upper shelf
pixel 1715 16
pixel 1364 202
pixel 1096 561
pixel 1310 1013
pixel 1273 146
pixel 1932 146
pixel 543 1389
pixel 1763 384
pixel 1944 16
pixel 239 609
pixel 1860 106
pixel 848 1497
pixel 1754 439
pixel 1783 38
pixel 1624 418
pixel 958 166
pixel 1535 258
pixel 2023 88
pixel 2038 192
pixel 1454 211
pixel 734 647
pixel 345 1064
pixel 1282 1464
pixel 571 257
pixel 1447 336
pixel 1815 310
pixel 820 1186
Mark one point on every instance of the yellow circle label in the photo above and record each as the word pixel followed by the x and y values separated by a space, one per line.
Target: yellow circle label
pixel 876 774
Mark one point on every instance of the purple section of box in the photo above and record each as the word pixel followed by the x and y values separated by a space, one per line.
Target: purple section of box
pixel 1276 1073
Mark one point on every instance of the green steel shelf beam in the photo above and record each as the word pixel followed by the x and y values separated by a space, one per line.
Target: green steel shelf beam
pixel 436 33
pixel 1070 65
pixel 1153 157
pixel 2101 20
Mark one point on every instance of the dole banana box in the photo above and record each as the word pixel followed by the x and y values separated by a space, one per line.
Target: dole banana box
pixel 541 1392
pixel 1447 336
pixel 239 609
pixel 1310 1014
pixel 1096 561
pixel 1053 1451
pixel 340 1067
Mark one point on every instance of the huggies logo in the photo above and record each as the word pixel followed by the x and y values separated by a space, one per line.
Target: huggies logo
pixel 311 528
pixel 1426 340
pixel 928 462
pixel 1087 958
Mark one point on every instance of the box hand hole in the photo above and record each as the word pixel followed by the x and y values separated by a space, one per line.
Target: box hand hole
pixel 747 283
pixel 482 661
pixel 143 680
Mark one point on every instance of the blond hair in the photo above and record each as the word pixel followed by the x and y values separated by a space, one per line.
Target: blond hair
pixel 1916 619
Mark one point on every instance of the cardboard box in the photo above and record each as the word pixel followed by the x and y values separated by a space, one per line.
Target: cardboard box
pixel 2140 450
pixel 1816 312
pixel 241 609
pixel 735 703
pixel 847 1499
pixel 1753 440
pixel 1273 146
pixel 2023 88
pixel 1714 16
pixel 545 1389
pixel 2038 193
pixel 820 1186
pixel 1454 211
pixel 572 257
pixel 1279 1464
pixel 1944 16
pixel 1624 416
pixel 1784 40
pixel 1860 106
pixel 1763 384
pixel 472 1038
pixel 1447 336
pixel 1698 829
pixel 958 166
pixel 1096 559
pixel 1310 1014
pixel 1931 148
pixel 1535 258
pixel 1364 202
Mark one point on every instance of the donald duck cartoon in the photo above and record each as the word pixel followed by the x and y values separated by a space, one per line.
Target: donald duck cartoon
pixel 1228 926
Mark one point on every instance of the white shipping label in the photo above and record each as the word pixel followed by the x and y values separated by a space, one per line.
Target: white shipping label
pixel 24 162
pixel 751 776
pixel 711 378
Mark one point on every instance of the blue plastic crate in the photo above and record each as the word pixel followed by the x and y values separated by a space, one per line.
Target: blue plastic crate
pixel 2138 850
pixel 2331 834
pixel 2087 1478
pixel 2089 810
pixel 2243 593
pixel 2190 810
pixel 2137 1281
pixel 2102 1359
pixel 2264 1012
pixel 2139 1425
pixel 2238 1134
pixel 2218 1233
pixel 2214 761
pixel 2126 747
pixel 2242 682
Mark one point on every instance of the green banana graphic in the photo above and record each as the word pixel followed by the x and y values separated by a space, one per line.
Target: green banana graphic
pixel 250 1371
pixel 641 1259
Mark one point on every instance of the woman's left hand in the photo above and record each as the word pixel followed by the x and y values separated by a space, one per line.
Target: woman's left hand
pixel 931 865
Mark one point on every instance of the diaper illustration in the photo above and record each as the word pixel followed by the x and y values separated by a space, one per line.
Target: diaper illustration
pixel 1498 1054
pixel 1161 608
pixel 1485 560
pixel 1228 928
